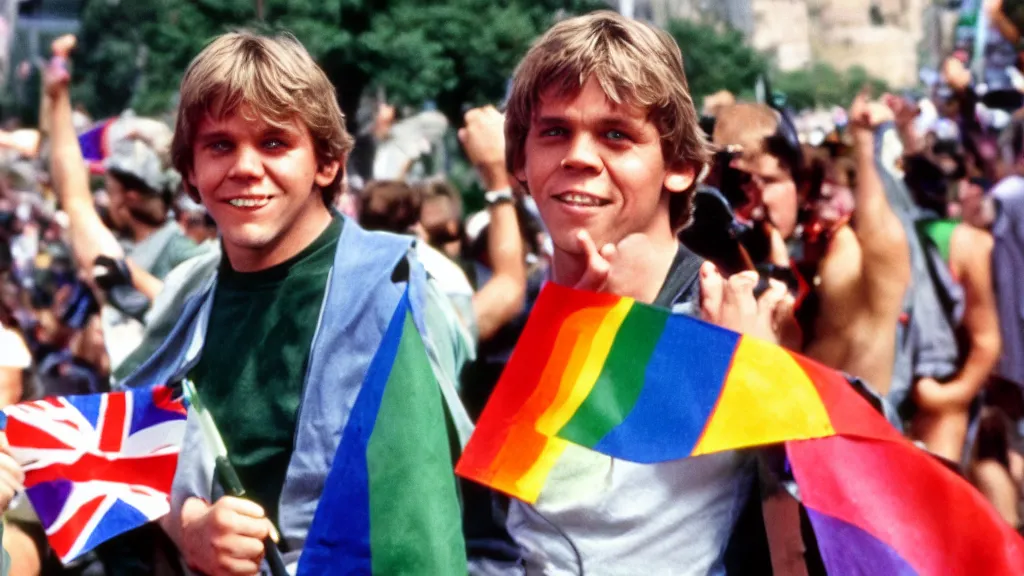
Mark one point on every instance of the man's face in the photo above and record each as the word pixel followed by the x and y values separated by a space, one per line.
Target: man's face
pixel 118 202
pixel 773 187
pixel 596 166
pixel 259 183
pixel 437 225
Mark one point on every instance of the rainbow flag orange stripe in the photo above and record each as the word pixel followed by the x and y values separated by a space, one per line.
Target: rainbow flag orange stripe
pixel 640 384
pixel 608 373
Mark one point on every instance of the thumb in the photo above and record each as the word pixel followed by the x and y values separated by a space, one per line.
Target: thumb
pixel 711 287
pixel 598 268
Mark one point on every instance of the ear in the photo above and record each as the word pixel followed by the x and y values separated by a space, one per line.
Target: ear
pixel 190 187
pixel 520 171
pixel 681 178
pixel 326 173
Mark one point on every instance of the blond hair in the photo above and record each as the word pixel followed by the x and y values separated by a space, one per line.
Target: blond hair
pixel 634 64
pixel 278 80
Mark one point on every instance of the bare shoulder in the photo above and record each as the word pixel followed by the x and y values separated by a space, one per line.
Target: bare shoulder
pixel 971 251
pixel 972 240
pixel 842 262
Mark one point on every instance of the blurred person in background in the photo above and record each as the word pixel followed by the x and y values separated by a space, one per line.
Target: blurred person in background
pixel 859 270
pixel 195 221
pixel 140 187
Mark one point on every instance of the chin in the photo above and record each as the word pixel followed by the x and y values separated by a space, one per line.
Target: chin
pixel 248 238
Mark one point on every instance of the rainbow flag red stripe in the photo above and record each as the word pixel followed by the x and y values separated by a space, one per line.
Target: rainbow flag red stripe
pixel 638 383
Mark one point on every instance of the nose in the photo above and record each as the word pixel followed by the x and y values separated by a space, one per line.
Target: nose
pixel 582 154
pixel 248 164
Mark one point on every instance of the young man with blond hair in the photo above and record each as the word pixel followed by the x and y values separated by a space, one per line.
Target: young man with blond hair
pixel 603 133
pixel 279 343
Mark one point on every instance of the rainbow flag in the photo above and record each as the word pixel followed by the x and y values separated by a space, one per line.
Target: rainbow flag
pixel 637 383
pixel 389 504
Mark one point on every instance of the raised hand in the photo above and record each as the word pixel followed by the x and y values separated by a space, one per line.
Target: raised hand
pixel 621 269
pixel 483 139
pixel 56 76
pixel 730 303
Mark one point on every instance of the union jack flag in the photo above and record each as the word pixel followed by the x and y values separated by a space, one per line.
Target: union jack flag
pixel 97 465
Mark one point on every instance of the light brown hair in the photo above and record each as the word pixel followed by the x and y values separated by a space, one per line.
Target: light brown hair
pixel 746 125
pixel 278 80
pixel 634 64
pixel 390 205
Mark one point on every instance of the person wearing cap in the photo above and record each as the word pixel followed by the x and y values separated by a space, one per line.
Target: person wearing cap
pixel 140 187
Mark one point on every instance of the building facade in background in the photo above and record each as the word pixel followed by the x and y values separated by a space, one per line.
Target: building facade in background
pixel 891 39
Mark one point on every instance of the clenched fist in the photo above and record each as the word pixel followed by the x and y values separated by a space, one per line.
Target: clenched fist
pixel 225 539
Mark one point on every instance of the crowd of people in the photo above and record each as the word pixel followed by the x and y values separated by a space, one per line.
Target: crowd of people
pixel 241 249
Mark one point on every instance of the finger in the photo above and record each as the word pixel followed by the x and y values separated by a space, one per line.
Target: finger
pixel 598 269
pixel 9 468
pixel 242 507
pixel 241 547
pixel 238 567
pixel 739 308
pixel 274 534
pixel 609 252
pixel 239 525
pixel 711 286
pixel 771 298
pixel 767 305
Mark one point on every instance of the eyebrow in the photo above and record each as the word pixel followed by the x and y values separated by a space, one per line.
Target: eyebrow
pixel 608 121
pixel 271 131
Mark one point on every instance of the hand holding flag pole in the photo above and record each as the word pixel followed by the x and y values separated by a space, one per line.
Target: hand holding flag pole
pixel 226 472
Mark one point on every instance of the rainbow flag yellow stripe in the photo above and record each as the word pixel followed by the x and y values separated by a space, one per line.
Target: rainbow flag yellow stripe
pixel 609 373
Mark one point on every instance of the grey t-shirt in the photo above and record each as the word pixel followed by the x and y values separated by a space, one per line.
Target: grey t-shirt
pixel 602 515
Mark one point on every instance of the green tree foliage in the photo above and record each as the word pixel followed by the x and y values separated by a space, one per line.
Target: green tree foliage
pixel 458 53
pixel 716 58
pixel 823 85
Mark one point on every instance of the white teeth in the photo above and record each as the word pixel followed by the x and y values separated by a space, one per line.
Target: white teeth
pixel 581 199
pixel 249 202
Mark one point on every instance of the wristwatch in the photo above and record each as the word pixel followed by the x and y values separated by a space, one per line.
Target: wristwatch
pixel 494 197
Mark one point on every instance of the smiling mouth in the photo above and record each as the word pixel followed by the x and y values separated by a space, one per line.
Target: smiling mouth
pixel 583 200
pixel 250 202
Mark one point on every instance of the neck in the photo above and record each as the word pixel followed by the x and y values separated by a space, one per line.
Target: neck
pixel 302 233
pixel 645 273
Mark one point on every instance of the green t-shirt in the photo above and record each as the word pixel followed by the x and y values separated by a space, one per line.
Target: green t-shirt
pixel 939 231
pixel 253 366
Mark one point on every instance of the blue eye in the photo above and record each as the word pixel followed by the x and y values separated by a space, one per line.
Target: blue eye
pixel 553 132
pixel 616 135
pixel 220 146
pixel 273 144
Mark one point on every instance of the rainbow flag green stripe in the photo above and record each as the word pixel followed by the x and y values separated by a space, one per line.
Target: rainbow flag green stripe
pixel 636 383
pixel 621 380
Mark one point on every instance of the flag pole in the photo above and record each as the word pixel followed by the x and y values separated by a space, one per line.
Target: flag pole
pixel 227 473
